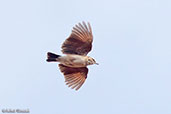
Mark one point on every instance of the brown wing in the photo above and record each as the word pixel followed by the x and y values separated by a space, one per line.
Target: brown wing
pixel 80 40
pixel 74 77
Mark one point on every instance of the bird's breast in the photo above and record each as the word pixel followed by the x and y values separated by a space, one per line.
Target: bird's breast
pixel 73 61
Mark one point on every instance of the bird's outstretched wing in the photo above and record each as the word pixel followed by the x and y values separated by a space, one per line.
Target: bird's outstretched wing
pixel 74 77
pixel 80 40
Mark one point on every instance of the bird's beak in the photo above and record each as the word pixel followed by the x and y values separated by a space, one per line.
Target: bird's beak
pixel 97 63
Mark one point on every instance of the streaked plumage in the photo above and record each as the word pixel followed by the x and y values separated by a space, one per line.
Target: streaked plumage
pixel 76 47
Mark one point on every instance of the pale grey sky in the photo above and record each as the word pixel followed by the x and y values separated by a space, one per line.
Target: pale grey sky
pixel 132 44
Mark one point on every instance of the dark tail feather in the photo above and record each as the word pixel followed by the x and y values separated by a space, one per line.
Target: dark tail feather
pixel 51 57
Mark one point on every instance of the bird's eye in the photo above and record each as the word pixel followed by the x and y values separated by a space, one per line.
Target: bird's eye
pixel 94 60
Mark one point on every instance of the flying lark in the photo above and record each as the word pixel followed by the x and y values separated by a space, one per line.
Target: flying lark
pixel 76 47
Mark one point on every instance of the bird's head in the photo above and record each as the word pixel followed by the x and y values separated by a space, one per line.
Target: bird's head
pixel 90 61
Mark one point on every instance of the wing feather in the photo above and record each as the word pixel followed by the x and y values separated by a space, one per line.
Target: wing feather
pixel 80 84
pixel 80 40
pixel 74 83
pixel 74 77
pixel 73 80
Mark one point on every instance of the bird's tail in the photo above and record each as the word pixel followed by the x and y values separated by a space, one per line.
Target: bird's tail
pixel 51 57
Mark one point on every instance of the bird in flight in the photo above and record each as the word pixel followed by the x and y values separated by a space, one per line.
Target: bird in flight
pixel 75 61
